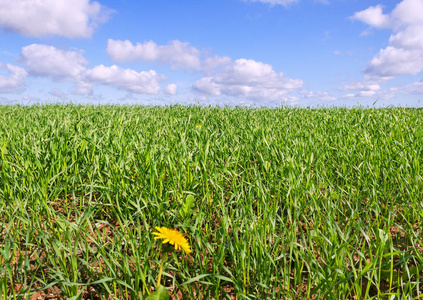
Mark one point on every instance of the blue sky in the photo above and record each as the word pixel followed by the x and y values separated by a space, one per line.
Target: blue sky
pixel 220 52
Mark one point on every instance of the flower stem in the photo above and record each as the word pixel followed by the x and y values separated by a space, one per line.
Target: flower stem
pixel 164 256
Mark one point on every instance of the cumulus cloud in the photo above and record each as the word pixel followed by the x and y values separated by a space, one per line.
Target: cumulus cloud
pixel 373 16
pixel 249 79
pixel 207 85
pixel 15 80
pixel 65 65
pixel 57 64
pixel 82 87
pixel 44 60
pixel 408 12
pixel 319 95
pixel 171 89
pixel 415 88
pixel 360 94
pixel 145 82
pixel 366 93
pixel 362 86
pixel 394 61
pixel 34 18
pixel 367 88
pixel 404 55
pixel 177 54
pixel 212 63
pixel 275 2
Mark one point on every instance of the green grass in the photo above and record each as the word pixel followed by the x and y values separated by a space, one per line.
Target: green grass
pixel 289 203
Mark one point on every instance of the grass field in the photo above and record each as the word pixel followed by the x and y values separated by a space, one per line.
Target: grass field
pixel 289 203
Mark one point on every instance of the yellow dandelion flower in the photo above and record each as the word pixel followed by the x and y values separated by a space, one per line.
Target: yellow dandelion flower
pixel 198 126
pixel 173 237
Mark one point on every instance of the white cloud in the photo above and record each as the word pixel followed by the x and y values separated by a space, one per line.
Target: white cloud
pixel 44 60
pixel 15 80
pixel 171 89
pixel 367 93
pixel 370 87
pixel 349 96
pixel 177 54
pixel 415 88
pixel 35 18
pixel 360 94
pixel 360 86
pixel 275 2
pixel 408 12
pixel 319 95
pixel 82 88
pixel 214 62
pixel 404 55
pixel 249 79
pixel 373 16
pixel 393 61
pixel 63 65
pixel 145 82
pixel 207 85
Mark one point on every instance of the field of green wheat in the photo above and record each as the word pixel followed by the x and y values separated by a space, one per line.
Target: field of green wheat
pixel 282 203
